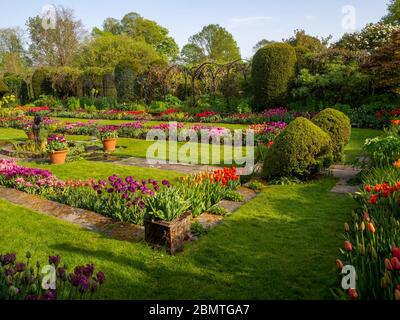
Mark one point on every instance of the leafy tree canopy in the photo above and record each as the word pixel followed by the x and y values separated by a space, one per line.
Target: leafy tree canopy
pixel 136 27
pixel 393 15
pixel 213 43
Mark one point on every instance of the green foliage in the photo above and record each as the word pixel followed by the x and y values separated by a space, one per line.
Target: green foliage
pixel 108 50
pixel 41 82
pixel 73 104
pixel 125 78
pixel 158 106
pixel 383 151
pixel 338 126
pixel 167 205
pixel 273 68
pixel 310 43
pixel 48 101
pixel 136 27
pixel 301 150
pixel 66 82
pixel 17 86
pixel 212 43
pixel 3 88
pixel 393 15
pixel 337 82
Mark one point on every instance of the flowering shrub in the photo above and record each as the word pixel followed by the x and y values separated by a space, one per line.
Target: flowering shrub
pixel 56 143
pixel 7 101
pixel 20 281
pixel 267 132
pixel 108 132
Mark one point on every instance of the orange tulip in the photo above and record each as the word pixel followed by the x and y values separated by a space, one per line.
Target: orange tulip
pixel 348 246
pixel 397 164
pixel 371 228
pixel 339 264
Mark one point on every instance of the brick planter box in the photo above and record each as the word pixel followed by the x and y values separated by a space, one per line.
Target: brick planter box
pixel 168 234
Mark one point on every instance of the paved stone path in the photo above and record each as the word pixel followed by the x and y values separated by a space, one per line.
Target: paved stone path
pixel 344 173
pixel 178 167
pixel 99 223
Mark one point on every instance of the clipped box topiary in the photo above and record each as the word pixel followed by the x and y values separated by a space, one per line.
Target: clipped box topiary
pixel 338 126
pixel 272 69
pixel 301 150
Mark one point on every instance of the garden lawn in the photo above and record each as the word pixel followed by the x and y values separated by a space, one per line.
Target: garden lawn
pixel 358 137
pixel 84 170
pixel 281 245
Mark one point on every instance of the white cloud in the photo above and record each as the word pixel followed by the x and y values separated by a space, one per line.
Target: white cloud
pixel 247 21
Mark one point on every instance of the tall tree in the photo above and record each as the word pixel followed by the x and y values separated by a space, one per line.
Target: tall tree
pixel 13 57
pixel 139 28
pixel 393 15
pixel 56 46
pixel 215 44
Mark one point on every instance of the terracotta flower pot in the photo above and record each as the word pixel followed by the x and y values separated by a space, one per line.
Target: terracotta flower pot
pixel 58 157
pixel 168 234
pixel 30 135
pixel 109 145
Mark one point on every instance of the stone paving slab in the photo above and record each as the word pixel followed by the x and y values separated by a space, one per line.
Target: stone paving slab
pixel 344 173
pixel 178 167
pixel 99 223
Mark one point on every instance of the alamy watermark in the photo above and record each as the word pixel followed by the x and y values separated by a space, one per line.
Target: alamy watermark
pixel 205 147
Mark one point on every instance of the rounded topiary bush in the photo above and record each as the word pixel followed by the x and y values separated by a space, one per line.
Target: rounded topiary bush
pixel 272 69
pixel 338 126
pixel 301 150
pixel 41 82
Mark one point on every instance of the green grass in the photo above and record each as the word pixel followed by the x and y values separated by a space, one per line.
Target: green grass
pixel 98 170
pixel 358 137
pixel 281 245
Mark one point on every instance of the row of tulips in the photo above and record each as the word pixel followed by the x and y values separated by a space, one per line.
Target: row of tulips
pixel 24 280
pixel 123 199
pixel 372 239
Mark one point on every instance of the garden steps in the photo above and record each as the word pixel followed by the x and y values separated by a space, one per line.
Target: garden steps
pixel 344 173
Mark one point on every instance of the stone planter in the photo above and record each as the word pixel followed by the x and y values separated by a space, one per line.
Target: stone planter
pixel 168 234
pixel 30 135
pixel 109 145
pixel 58 157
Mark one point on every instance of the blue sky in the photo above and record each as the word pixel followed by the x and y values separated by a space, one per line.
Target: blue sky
pixel 249 21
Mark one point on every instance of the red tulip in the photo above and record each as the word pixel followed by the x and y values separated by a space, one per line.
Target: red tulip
pixel 396 264
pixel 348 246
pixel 353 294
pixel 396 253
pixel 388 265
pixel 339 264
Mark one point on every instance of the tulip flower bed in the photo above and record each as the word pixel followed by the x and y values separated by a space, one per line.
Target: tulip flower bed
pixel 123 199
pixel 23 280
pixel 372 240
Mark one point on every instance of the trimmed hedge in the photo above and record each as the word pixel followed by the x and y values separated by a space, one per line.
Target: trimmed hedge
pixel 301 150
pixel 125 81
pixel 272 69
pixel 3 88
pixel 18 87
pixel 338 126
pixel 42 82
